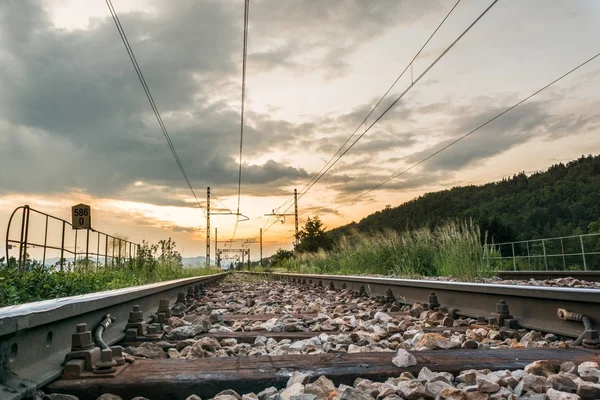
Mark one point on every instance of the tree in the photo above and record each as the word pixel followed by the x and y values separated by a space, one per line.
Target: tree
pixel 313 237
pixel 280 256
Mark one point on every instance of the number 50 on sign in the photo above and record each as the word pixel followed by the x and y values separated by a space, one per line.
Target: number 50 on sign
pixel 81 216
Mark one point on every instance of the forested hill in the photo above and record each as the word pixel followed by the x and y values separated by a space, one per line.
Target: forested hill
pixel 563 200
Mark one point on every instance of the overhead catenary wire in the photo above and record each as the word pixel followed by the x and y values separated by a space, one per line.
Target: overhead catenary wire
pixel 397 99
pixel 470 132
pixel 140 75
pixel 363 122
pixel 244 56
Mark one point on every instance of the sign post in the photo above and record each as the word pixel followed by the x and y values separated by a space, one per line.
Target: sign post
pixel 81 216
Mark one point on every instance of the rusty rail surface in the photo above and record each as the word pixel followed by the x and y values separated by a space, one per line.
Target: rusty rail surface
pixel 36 336
pixel 534 307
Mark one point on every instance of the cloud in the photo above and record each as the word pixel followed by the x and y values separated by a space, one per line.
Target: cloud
pixel 304 34
pixel 518 126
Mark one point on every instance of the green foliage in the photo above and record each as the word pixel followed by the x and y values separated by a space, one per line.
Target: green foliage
pixel 452 249
pixel 40 282
pixel 313 237
pixel 558 202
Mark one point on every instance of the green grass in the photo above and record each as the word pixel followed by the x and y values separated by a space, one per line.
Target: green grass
pixel 453 249
pixel 42 283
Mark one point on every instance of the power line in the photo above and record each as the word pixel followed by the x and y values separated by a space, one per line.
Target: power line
pixel 413 83
pixel 400 97
pixel 138 71
pixel 244 56
pixel 212 195
pixel 470 132
pixel 317 176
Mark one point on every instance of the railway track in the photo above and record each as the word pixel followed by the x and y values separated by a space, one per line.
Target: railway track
pixel 258 333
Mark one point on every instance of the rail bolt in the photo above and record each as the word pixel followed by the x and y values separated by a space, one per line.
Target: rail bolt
pixel 389 296
pixel 164 309
pixel 117 354
pixel 331 286
pixel 136 315
pixel 106 364
pixel 82 338
pixel 180 297
pixel 433 301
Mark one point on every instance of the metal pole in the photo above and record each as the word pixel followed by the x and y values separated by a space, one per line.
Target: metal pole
pixel 528 258
pixel 112 260
pixel 105 250
pixel 45 242
pixel 119 250
pixel 87 248
pixel 62 247
pixel 75 252
pixel 562 247
pixel 98 252
pixel 545 259
pixel 26 237
pixel 129 251
pixel 207 226
pixel 514 259
pixel 261 262
pixel 248 259
pixel 583 253
pixel 216 246
pixel 296 216
pixel 21 238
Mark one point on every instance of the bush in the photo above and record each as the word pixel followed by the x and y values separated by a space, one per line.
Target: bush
pixel 40 282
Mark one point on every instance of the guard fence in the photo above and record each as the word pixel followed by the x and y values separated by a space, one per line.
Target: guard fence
pixel 565 253
pixel 33 234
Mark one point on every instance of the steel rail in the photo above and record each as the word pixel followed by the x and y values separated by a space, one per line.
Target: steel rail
pixel 35 337
pixel 534 307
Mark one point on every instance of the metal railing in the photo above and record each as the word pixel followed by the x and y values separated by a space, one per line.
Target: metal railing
pixel 120 249
pixel 577 252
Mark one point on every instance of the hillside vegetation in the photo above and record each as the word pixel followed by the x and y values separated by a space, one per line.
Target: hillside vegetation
pixel 560 201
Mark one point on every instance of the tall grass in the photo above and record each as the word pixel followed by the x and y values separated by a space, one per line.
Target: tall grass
pixel 453 249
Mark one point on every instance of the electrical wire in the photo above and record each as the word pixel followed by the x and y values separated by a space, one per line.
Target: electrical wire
pixel 138 71
pixel 469 133
pixel 320 175
pixel 399 97
pixel 244 56
pixel 363 122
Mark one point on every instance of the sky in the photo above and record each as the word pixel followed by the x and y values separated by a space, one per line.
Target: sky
pixel 76 127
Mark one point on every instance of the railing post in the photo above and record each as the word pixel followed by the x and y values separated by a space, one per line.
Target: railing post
pixel 528 258
pixel 582 252
pixel 62 247
pixel 562 248
pixel 45 242
pixel 545 259
pixel 119 249
pixel 514 259
pixel 98 252
pixel 112 261
pixel 20 263
pixel 75 252
pixel 105 251
pixel 87 249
